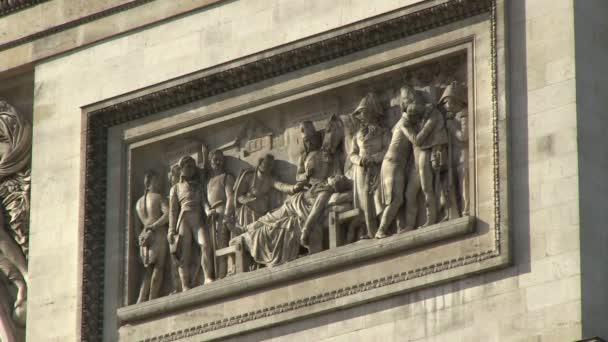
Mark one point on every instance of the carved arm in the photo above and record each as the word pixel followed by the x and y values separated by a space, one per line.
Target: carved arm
pixel 228 187
pixel 354 156
pixel 462 133
pixel 164 218
pixel 286 188
pixel 379 156
pixel 301 174
pixel 427 128
pixel 409 133
pixel 174 210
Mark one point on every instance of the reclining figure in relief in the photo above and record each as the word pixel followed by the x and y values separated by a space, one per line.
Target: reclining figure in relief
pixel 276 237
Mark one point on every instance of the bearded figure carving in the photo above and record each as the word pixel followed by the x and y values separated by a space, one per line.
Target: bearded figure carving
pixel 15 150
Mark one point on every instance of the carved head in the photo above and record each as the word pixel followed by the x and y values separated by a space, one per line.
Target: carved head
pixel 187 167
pixel 408 96
pixel 454 98
pixel 415 112
pixel 310 137
pixel 174 174
pixel 15 140
pixel 217 160
pixel 369 109
pixel 152 181
pixel 266 163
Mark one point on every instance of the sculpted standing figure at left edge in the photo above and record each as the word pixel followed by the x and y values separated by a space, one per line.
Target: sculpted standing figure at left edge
pixel 153 213
pixel 187 224
pixel 15 152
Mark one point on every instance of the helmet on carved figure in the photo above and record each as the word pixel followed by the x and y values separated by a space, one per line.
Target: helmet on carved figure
pixel 454 94
pixel 369 108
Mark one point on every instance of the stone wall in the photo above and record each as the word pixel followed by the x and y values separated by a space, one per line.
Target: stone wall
pixel 539 297
pixel 592 124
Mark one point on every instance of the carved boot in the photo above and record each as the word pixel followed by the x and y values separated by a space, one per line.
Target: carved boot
pixel 431 216
pixel 381 233
pixel 305 238
pixel 402 230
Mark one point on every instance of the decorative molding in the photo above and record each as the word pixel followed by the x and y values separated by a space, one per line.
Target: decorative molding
pixel 11 6
pixel 68 25
pixel 321 298
pixel 318 263
pixel 98 122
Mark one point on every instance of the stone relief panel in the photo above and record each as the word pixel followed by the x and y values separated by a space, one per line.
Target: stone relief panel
pixel 15 155
pixel 363 162
pixel 287 200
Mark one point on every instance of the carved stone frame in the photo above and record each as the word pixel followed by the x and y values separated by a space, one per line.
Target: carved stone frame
pixel 100 118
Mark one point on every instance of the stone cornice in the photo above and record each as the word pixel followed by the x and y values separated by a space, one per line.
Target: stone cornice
pixel 10 6
pixel 99 120
pixel 67 25
pixel 282 63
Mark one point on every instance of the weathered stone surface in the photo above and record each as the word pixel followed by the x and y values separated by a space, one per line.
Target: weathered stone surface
pixel 555 175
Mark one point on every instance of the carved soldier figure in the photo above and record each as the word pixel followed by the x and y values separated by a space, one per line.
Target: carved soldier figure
pixel 455 103
pixel 252 191
pixel 220 195
pixel 315 166
pixel 153 212
pixel 393 168
pixel 173 177
pixel 187 223
pixel 425 128
pixel 369 146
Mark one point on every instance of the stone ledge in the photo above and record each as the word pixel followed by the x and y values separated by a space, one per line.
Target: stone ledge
pixel 301 268
pixel 7 7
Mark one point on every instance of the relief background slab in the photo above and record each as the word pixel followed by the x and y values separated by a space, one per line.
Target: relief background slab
pixel 320 89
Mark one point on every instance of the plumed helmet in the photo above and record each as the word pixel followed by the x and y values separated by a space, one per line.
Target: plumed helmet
pixel 456 91
pixel 371 103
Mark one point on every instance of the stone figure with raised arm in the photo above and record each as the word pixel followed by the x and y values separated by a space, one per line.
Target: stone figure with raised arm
pixel 220 195
pixel 425 128
pixel 153 213
pixel 454 101
pixel 394 166
pixel 369 145
pixel 187 204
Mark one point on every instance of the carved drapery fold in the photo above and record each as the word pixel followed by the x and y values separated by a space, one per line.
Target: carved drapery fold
pixel 15 155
